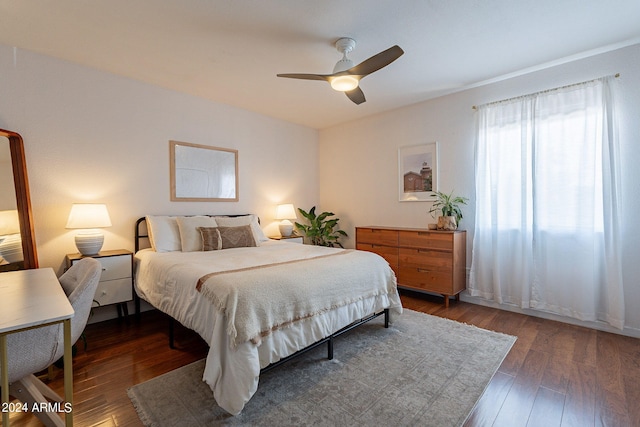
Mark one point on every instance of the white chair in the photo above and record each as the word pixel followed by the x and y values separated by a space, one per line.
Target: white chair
pixel 36 349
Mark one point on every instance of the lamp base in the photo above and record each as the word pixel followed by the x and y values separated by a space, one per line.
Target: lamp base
pixel 286 228
pixel 89 242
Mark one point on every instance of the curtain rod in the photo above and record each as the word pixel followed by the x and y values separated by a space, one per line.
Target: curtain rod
pixel 475 107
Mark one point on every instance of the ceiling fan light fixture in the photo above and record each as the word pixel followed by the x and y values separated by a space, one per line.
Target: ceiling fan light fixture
pixel 344 83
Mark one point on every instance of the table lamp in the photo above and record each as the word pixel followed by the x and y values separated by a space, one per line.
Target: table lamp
pixel 89 218
pixel 285 213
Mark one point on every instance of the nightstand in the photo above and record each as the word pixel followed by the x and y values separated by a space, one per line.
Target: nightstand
pixel 116 281
pixel 290 239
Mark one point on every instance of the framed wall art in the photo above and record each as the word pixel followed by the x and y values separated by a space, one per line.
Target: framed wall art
pixel 418 172
pixel 201 173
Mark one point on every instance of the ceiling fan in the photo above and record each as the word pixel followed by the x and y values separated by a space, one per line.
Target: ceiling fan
pixel 346 77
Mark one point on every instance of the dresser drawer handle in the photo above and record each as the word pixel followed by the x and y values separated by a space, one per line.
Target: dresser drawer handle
pixel 423 270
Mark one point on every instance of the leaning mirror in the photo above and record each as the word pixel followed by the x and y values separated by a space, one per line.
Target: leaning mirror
pixel 17 241
pixel 203 173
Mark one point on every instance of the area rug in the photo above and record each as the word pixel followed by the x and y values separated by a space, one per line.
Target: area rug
pixel 422 371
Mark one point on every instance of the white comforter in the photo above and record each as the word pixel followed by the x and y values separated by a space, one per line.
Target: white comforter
pixel 168 281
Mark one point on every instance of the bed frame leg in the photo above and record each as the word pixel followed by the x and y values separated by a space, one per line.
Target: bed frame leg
pixel 386 318
pixel 171 328
pixel 330 348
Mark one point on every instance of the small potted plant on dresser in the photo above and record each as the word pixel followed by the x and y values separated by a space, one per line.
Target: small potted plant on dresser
pixel 449 207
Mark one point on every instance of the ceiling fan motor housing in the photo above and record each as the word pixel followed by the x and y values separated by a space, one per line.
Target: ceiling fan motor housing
pixel 343 65
pixel 344 46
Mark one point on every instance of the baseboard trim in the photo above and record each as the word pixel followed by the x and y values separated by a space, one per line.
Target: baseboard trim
pixel 600 326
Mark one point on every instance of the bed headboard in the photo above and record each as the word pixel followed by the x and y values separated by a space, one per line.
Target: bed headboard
pixel 142 234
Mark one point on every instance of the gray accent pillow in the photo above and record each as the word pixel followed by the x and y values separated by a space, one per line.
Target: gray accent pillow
pixel 211 240
pixel 237 237
pixel 252 220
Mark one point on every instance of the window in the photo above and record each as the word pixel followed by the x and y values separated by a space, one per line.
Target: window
pixel 546 232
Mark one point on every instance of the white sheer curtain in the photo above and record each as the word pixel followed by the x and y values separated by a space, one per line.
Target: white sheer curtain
pixel 547 195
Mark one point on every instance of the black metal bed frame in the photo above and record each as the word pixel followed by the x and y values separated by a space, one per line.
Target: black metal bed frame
pixel 329 339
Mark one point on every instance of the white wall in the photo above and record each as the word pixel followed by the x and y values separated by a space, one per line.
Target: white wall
pixel 93 136
pixel 359 166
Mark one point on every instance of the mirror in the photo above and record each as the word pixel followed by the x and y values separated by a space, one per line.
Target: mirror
pixel 17 241
pixel 201 173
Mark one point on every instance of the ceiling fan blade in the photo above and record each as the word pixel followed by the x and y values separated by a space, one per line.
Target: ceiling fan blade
pixel 356 95
pixel 377 62
pixel 306 76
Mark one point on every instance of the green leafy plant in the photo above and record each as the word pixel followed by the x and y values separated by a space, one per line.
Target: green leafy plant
pixel 448 205
pixel 321 230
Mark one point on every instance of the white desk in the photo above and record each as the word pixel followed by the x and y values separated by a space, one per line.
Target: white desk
pixel 32 299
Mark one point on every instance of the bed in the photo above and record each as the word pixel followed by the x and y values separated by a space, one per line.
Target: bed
pixel 255 301
pixel 11 257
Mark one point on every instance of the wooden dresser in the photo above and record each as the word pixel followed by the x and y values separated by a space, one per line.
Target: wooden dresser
pixel 423 260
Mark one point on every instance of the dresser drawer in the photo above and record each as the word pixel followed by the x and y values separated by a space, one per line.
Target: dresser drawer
pixel 377 236
pixel 426 279
pixel 115 267
pixel 390 254
pixel 425 258
pixel 113 291
pixel 426 239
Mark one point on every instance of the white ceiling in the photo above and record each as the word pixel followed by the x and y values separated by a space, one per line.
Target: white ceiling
pixel 230 51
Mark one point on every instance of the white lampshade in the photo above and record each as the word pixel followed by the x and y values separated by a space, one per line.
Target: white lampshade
pixel 89 217
pixel 9 222
pixel 285 212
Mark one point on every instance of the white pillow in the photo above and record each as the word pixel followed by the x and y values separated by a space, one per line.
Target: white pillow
pixel 11 248
pixel 190 237
pixel 164 234
pixel 252 220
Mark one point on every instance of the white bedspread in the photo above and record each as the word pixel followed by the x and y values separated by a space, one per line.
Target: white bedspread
pixel 168 281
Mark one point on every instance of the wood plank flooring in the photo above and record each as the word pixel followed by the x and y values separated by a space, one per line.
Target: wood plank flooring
pixel 555 375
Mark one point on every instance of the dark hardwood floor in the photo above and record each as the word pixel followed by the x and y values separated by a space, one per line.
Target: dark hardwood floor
pixel 555 375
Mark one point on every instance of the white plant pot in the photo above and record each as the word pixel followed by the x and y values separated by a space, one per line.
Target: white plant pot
pixel 447 223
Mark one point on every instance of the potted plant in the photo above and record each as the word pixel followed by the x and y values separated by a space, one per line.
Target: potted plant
pixel 449 207
pixel 321 230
